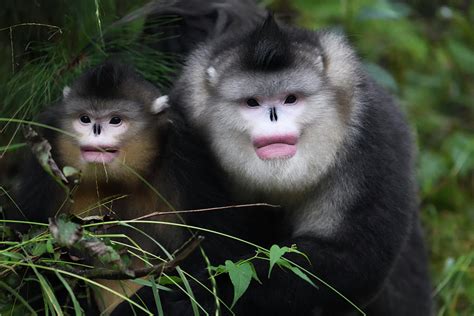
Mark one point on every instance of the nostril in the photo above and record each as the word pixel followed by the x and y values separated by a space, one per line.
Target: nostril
pixel 97 129
pixel 273 114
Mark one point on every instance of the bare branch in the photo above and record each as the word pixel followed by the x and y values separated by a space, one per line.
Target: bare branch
pixel 204 210
pixel 103 273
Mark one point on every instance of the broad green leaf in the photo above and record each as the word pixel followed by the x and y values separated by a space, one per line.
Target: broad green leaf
pixel 38 249
pixel 302 275
pixel 275 254
pixel 240 276
pixel 254 273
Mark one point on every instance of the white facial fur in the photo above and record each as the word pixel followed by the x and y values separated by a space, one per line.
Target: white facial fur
pixel 314 120
pixel 99 137
pixel 320 120
pixel 109 136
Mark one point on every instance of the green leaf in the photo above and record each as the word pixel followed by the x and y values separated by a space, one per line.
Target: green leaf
pixel 70 171
pixel 275 254
pixel 150 283
pixel 49 246
pixel 65 232
pixel 41 148
pixel 12 147
pixel 13 256
pixel 156 296
pixel 302 275
pixel 254 273
pixel 240 276
pixel 38 249
pixel 170 279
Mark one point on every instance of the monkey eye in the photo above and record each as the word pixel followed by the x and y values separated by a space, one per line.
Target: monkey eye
pixel 115 120
pixel 290 99
pixel 85 119
pixel 252 103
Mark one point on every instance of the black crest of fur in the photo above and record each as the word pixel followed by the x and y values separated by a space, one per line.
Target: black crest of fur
pixel 103 81
pixel 267 48
pixel 114 80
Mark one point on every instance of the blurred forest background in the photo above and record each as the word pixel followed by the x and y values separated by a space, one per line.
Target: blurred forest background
pixel 421 50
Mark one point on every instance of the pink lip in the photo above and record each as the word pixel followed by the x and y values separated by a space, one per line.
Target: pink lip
pixel 95 155
pixel 275 147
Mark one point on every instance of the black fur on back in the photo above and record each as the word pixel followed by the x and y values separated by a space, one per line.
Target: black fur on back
pixel 267 48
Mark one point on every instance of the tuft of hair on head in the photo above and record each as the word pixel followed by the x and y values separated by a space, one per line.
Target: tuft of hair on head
pixel 104 80
pixel 115 80
pixel 267 48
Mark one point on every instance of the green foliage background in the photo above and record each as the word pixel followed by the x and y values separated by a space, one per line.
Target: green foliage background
pixel 421 50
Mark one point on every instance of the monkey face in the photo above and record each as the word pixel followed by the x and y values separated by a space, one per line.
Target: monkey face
pixel 280 128
pixel 99 137
pixel 284 135
pixel 110 137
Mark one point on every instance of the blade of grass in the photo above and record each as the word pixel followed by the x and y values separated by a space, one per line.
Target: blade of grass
pixel 77 307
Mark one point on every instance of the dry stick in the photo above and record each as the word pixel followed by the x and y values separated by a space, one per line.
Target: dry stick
pixel 204 210
pixel 210 209
pixel 103 273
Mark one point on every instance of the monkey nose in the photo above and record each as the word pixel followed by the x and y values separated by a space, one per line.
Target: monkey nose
pixel 273 114
pixel 96 128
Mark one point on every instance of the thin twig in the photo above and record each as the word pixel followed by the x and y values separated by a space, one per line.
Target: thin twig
pixel 32 24
pixel 204 210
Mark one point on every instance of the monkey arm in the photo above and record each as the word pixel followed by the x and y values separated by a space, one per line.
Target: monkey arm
pixel 355 263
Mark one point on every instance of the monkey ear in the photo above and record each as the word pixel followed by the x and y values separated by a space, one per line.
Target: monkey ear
pixel 341 62
pixel 66 91
pixel 159 104
pixel 211 75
